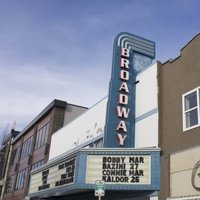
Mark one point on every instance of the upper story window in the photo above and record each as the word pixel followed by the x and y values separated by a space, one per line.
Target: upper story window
pixel 41 137
pixel 26 148
pixel 191 109
pixel 15 156
pixel 21 177
pixel 36 165
pixel 10 184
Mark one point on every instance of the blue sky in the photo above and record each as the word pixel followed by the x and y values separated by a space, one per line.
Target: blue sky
pixel 62 49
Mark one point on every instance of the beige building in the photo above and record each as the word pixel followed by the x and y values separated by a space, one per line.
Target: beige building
pixel 179 132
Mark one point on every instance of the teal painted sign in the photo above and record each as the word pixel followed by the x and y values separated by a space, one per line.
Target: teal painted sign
pixel 131 55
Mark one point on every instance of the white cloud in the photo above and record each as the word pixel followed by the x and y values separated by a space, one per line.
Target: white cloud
pixel 26 91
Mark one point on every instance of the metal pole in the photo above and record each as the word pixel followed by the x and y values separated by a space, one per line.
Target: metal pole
pixel 99 197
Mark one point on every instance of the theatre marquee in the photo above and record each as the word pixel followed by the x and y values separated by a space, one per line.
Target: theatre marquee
pixel 123 169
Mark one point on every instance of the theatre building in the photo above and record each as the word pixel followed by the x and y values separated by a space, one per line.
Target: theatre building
pixel 180 124
pixel 141 142
pixel 111 150
pixel 30 148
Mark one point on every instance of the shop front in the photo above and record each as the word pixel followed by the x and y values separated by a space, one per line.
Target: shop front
pixel 184 174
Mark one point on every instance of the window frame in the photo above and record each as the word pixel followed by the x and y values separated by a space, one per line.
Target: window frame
pixel 15 156
pixel 37 164
pixel 41 136
pixel 184 111
pixel 21 179
pixel 26 148
pixel 10 184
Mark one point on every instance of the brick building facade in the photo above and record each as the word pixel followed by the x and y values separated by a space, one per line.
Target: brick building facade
pixel 30 148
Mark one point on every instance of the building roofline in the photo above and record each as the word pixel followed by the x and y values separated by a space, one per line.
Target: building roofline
pixel 54 103
pixel 70 104
pixel 190 41
pixel 11 135
pixel 173 59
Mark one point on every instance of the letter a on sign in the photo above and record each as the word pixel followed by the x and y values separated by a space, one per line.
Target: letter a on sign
pixel 122 126
pixel 124 87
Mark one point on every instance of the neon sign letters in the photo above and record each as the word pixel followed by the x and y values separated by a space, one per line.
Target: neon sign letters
pixel 131 55
pixel 122 107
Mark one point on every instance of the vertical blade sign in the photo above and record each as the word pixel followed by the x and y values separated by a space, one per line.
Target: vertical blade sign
pixel 131 55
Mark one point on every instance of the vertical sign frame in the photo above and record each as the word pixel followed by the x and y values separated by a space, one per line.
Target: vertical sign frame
pixel 131 55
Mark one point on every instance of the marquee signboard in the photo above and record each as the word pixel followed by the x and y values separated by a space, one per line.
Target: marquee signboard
pixel 130 169
pixel 131 55
pixel 59 175
pixel 119 169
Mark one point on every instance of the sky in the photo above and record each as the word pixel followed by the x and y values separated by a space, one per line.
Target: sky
pixel 62 49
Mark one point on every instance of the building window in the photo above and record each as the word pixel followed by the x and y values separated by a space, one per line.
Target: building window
pixel 21 177
pixel 26 149
pixel 1 187
pixel 10 184
pixel 41 137
pixel 15 156
pixel 36 165
pixel 97 144
pixel 191 109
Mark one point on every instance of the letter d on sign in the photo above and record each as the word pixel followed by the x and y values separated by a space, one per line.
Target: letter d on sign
pixel 123 99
